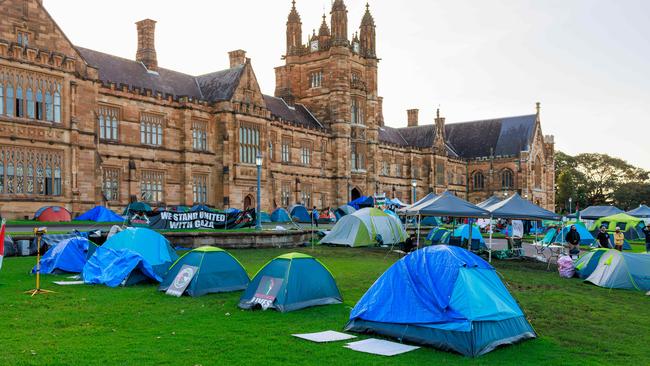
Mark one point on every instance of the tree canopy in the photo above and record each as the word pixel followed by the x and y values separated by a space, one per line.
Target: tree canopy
pixel 598 179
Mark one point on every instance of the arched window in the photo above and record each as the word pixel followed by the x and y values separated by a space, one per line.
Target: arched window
pixel 39 105
pixel 507 179
pixel 49 111
pixel 479 181
pixel 538 172
pixel 2 97
pixel 57 106
pixel 30 103
pixel 10 100
pixel 20 112
pixel 20 179
pixel 30 179
pixel 10 178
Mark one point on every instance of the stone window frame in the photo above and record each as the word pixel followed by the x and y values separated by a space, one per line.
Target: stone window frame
pixel 152 186
pixel 285 193
pixel 286 149
pixel 306 194
pixel 478 180
pixel 440 173
pixel 152 127
pixel 306 152
pixel 316 78
pixel 31 96
pixel 200 134
pixel 23 37
pixel 31 172
pixel 507 178
pixel 356 111
pixel 272 138
pixel 112 175
pixel 250 142
pixel 114 113
pixel 200 188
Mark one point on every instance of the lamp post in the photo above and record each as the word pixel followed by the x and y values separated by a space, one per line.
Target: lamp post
pixel 258 213
pixel 570 211
pixel 414 184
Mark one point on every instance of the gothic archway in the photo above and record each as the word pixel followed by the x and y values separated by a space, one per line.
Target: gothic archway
pixel 355 193
pixel 248 202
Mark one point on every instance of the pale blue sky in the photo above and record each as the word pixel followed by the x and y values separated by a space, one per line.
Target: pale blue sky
pixel 586 61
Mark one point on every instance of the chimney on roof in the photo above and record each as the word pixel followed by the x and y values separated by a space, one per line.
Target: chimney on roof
pixel 237 57
pixel 146 44
pixel 412 117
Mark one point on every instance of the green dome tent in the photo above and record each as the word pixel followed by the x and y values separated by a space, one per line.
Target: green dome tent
pixel 630 226
pixel 362 227
pixel 588 262
pixel 218 271
pixel 291 282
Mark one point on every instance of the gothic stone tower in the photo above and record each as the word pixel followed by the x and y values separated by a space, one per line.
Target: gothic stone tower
pixel 336 79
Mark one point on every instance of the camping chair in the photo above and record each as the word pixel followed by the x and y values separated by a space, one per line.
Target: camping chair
pixel 476 245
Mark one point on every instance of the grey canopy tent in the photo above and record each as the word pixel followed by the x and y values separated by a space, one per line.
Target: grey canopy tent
pixel 446 204
pixel 422 200
pixel 596 212
pixel 517 207
pixel 489 202
pixel 642 211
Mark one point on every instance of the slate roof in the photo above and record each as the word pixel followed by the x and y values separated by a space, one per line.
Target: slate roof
pixel 210 87
pixel 297 114
pixel 502 136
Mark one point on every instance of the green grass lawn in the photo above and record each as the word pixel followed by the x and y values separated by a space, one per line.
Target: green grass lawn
pixel 577 323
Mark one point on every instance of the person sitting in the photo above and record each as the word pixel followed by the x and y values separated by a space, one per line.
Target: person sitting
pixel 573 238
pixel 410 244
pixel 619 239
pixel 603 238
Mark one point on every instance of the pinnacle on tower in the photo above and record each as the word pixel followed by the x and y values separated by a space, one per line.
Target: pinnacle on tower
pixel 368 35
pixel 339 23
pixel 294 31
pixel 324 28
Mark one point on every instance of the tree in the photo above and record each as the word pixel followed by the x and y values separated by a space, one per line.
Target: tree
pixel 598 179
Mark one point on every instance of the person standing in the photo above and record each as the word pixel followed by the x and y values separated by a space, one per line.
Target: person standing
pixel 573 238
pixel 646 232
pixel 603 238
pixel 314 216
pixel 619 239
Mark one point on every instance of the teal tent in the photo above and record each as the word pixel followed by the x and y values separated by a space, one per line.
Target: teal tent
pixel 136 207
pixel 218 271
pixel 290 282
pixel 463 232
pixel 444 297
pixel 154 248
pixel 344 210
pixel 586 238
pixel 280 215
pixel 436 234
pixel 265 217
pixel 630 271
pixel 300 214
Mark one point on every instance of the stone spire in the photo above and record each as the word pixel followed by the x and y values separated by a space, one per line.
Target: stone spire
pixel 339 23
pixel 324 28
pixel 294 31
pixel 368 36
pixel 439 141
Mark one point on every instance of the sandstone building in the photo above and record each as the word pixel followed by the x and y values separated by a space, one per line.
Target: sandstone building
pixel 80 128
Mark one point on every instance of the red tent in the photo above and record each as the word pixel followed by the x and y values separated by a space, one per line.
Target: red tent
pixel 53 214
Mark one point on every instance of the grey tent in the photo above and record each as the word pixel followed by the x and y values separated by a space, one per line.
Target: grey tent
pixel 596 212
pixel 489 202
pixel 516 207
pixel 447 204
pixel 642 211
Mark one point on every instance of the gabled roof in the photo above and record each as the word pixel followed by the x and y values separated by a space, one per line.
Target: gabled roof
pixel 296 114
pixel 501 136
pixel 212 87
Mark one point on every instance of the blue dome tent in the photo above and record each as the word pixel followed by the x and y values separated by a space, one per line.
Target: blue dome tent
pixel 67 256
pixel 586 238
pixel 115 267
pixel 362 202
pixel 301 213
pixel 153 247
pixel 344 210
pixel 100 214
pixel 463 232
pixel 444 297
pixel 280 215
pixel 430 221
pixel 265 217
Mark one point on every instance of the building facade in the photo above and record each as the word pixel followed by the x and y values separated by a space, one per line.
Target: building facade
pixel 80 128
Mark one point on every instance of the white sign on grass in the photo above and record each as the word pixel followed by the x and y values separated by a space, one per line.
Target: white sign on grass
pixel 182 280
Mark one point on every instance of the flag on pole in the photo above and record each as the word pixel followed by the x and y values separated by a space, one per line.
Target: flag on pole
pixel 2 241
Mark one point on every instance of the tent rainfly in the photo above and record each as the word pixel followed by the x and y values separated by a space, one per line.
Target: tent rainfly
pixel 642 211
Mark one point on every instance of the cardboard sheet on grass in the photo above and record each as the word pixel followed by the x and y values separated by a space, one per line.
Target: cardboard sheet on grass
pixel 380 347
pixel 326 336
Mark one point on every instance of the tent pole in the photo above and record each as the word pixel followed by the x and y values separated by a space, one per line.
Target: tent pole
pixel 490 248
pixel 469 239
pixel 417 240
